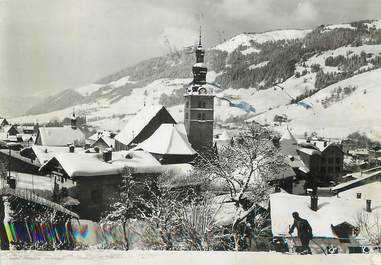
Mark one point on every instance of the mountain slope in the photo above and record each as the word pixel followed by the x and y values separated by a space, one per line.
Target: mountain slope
pixel 269 70
pixel 334 113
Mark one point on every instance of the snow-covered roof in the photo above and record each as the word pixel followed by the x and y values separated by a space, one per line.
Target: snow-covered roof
pixel 60 136
pixel 110 142
pixel 27 127
pixel 103 135
pixel 288 144
pixel 8 127
pixel 370 191
pixel 3 120
pixel 310 151
pixel 169 139
pixel 92 164
pixel 367 176
pixel 99 134
pixel 44 153
pixel 138 123
pixel 225 209
pixel 331 211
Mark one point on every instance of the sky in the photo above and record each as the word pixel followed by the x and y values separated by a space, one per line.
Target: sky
pixel 50 45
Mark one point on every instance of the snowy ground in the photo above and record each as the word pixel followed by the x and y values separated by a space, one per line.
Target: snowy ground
pixel 185 258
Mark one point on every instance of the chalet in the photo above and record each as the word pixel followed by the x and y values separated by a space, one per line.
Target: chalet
pixel 333 220
pixel 10 130
pixel 18 162
pixel 324 161
pixel 97 177
pixel 3 122
pixel 27 129
pixel 169 144
pixel 61 136
pixel 102 139
pixel 142 126
pixel 296 172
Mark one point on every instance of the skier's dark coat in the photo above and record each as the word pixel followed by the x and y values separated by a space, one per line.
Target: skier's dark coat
pixel 303 227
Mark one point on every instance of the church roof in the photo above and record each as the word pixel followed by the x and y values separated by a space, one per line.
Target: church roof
pixel 138 123
pixel 168 139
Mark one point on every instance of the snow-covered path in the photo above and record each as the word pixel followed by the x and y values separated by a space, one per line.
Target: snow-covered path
pixel 184 258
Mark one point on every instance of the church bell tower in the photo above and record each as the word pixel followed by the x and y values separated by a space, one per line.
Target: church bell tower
pixel 199 105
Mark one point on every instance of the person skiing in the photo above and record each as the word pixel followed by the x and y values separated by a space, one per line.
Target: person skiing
pixel 304 231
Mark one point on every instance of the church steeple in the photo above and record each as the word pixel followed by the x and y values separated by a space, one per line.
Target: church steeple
pixel 199 68
pixel 199 105
pixel 73 120
pixel 200 52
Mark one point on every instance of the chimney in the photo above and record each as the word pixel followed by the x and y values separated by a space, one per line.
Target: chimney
pixel 314 203
pixel 96 149
pixel 71 149
pixel 358 195
pixel 107 155
pixel 368 206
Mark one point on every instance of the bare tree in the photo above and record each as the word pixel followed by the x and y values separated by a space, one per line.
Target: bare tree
pixel 243 171
pixel 178 219
pixel 369 226
pixel 123 206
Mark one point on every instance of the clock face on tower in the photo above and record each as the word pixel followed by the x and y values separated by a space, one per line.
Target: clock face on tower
pixel 202 90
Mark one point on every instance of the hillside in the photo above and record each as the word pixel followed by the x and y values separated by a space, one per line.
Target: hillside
pixel 307 64
pixel 16 106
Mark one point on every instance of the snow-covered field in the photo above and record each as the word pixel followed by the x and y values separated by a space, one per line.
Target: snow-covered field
pixel 246 39
pixel 356 112
pixel 113 257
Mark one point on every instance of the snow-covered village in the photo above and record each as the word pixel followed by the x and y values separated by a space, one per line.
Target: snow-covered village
pixel 260 144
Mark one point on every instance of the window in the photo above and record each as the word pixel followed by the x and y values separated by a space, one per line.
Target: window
pixel 204 105
pixel 199 116
pixel 96 196
pixel 187 104
pixel 186 115
pixel 199 104
pixel 203 116
pixel 330 160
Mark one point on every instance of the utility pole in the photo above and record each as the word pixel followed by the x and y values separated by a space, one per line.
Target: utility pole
pixel 9 163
